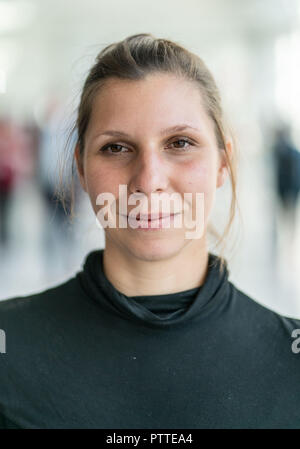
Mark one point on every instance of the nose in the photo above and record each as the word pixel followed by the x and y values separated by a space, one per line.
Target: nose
pixel 149 174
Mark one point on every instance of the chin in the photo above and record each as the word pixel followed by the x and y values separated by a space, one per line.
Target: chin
pixel 155 250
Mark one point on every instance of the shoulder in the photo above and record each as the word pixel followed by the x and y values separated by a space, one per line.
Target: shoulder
pixel 260 316
pixel 33 298
pixel 29 309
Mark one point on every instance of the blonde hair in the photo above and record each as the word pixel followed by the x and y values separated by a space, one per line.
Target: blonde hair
pixel 134 58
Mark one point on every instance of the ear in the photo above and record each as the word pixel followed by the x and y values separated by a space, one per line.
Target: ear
pixel 79 165
pixel 223 167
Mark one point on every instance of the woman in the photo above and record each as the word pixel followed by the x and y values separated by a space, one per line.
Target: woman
pixel 151 333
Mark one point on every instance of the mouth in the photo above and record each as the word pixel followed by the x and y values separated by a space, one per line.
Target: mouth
pixel 157 221
pixel 149 217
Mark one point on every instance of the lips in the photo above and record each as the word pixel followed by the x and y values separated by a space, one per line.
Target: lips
pixel 150 217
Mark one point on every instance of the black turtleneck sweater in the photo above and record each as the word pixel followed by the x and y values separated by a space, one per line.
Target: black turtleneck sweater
pixel 83 355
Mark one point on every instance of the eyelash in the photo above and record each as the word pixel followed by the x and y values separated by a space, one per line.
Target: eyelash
pixel 105 148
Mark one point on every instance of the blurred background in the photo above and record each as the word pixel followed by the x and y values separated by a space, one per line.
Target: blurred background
pixel 253 50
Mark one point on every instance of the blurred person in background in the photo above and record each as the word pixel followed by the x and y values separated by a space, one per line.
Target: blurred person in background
pixel 16 165
pixel 57 236
pixel 286 158
pixel 7 179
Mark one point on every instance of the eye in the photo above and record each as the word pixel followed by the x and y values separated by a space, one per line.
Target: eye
pixel 115 149
pixel 182 141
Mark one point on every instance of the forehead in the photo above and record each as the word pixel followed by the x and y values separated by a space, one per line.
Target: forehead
pixel 159 100
pixel 144 108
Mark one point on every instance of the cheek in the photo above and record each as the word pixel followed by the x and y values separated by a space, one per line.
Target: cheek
pixel 197 177
pixel 99 180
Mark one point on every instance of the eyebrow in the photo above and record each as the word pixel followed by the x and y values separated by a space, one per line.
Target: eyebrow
pixel 164 131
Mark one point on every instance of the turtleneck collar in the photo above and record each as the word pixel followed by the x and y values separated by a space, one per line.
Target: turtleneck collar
pixel 156 310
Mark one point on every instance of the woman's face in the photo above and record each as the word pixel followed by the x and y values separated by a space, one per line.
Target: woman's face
pixel 147 157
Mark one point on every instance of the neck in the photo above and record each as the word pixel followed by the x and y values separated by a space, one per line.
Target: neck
pixel 134 276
